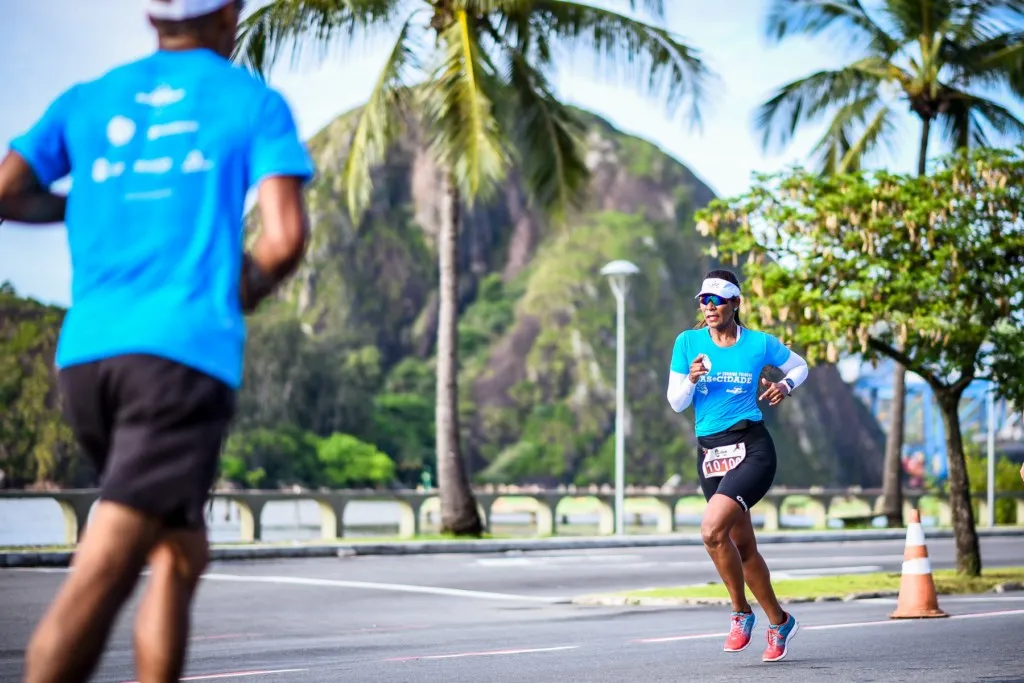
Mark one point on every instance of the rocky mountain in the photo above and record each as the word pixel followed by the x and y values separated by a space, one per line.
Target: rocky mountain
pixel 537 324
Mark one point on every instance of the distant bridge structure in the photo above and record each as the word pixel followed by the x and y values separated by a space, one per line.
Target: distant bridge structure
pixel 924 433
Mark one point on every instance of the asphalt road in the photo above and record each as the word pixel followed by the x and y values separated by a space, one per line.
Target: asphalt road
pixel 504 618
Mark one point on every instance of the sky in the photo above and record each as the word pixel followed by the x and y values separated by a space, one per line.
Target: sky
pixel 80 42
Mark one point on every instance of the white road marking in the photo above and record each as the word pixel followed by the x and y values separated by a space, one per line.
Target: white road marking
pixel 542 560
pixel 397 587
pixel 825 571
pixel 491 653
pixel 832 627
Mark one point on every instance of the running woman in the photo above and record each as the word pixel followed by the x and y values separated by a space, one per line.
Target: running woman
pixel 716 367
pixel 161 153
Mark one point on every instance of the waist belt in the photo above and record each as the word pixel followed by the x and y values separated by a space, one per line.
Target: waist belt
pixel 744 424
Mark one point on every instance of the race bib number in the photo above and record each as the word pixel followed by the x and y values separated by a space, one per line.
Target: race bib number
pixel 719 461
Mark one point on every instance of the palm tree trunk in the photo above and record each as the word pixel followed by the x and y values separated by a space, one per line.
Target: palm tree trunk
pixel 968 554
pixel 892 480
pixel 459 514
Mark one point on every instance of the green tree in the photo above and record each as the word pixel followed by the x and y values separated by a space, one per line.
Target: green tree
pixel 348 462
pixel 403 427
pixel 926 270
pixel 269 458
pixel 474 77
pixel 933 57
pixel 36 444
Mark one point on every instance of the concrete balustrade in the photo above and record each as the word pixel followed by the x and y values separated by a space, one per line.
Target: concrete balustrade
pixel 543 505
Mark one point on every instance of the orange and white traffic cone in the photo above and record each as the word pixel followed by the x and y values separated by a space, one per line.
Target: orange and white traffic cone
pixel 917 599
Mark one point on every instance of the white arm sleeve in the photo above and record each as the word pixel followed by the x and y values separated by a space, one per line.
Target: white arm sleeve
pixel 795 368
pixel 680 391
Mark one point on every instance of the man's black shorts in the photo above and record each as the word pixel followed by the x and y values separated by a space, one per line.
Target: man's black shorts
pixel 154 430
pixel 750 480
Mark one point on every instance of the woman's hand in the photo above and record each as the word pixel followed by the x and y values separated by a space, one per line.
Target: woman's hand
pixel 775 393
pixel 698 368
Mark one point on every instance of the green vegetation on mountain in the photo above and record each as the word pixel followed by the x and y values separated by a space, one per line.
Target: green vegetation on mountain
pixel 340 368
pixel 35 442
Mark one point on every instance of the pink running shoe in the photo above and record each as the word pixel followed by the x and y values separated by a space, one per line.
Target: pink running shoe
pixel 739 633
pixel 778 639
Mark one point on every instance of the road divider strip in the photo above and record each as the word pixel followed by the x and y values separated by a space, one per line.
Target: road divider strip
pixel 255 551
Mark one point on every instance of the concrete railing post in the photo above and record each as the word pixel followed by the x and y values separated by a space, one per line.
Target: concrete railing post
pixel 75 509
pixel 250 511
pixel 332 516
pixel 409 517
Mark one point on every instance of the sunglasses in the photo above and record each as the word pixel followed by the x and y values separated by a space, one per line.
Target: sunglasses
pixel 715 299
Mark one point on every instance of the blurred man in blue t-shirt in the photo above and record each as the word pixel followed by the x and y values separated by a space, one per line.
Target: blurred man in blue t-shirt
pixel 161 153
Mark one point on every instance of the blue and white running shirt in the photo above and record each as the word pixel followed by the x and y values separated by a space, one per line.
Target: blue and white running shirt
pixel 728 393
pixel 161 152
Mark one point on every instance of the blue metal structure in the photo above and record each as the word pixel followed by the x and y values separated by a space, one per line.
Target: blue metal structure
pixel 924 432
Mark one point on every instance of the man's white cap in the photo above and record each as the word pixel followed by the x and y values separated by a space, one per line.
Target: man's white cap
pixel 723 288
pixel 179 10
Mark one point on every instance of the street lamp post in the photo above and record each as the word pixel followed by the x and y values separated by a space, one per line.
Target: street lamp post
pixel 618 274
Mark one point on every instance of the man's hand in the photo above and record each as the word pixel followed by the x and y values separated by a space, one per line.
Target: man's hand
pixel 698 369
pixel 22 198
pixel 775 393
pixel 282 241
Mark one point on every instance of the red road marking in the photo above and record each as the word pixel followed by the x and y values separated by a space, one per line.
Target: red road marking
pixel 490 653
pixel 237 674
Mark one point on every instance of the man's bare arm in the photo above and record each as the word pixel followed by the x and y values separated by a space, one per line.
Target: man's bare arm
pixel 22 198
pixel 281 243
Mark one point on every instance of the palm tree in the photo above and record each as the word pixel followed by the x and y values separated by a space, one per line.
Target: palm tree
pixel 474 77
pixel 931 56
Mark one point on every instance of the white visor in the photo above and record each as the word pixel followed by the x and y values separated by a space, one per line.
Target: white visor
pixel 180 10
pixel 722 288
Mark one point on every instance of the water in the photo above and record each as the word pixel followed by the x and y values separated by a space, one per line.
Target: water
pixel 36 521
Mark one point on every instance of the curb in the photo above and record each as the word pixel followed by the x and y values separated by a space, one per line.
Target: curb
pixel 483 546
pixel 612 600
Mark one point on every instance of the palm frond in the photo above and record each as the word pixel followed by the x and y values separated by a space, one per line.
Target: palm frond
pixel 659 63
pixel 551 154
pixel 856 131
pixel 266 32
pixel 655 8
pixel 846 18
pixel 458 101
pixel 379 123
pixel 992 62
pixel 982 20
pixel 968 118
pixel 922 18
pixel 806 99
pixel 880 129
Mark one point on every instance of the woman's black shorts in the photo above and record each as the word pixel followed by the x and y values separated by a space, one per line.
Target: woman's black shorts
pixel 750 480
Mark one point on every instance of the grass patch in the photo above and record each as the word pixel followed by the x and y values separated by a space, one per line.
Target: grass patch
pixel 947 582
